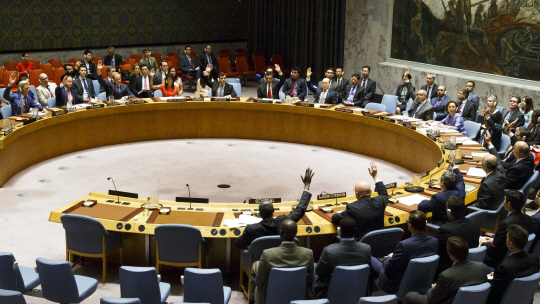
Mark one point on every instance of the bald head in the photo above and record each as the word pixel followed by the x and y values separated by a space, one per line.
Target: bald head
pixel 266 209
pixel 287 230
pixel 489 163
pixel 325 83
pixel 362 189
pixel 521 149
pixel 421 96
pixel 43 79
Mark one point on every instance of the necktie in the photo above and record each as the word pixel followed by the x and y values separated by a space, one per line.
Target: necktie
pixel 351 95
pixel 112 61
pixel 189 59
pixel 269 92
pixel 323 97
pixel 118 89
pixel 209 61
pixel 437 103
pixel 220 91
pixel 293 88
pixel 69 95
pixel 52 95
pixel 25 105
pixel 429 92
pixel 364 85
pixel 145 83
pixel 506 118
pixel 86 86
pixel 149 65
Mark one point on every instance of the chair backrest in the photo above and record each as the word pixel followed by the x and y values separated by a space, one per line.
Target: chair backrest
pixel 527 187
pixel 501 109
pixel 409 104
pixel 36 63
pixel 140 282
pixel 203 285
pixel 95 83
pixel 418 275
pixel 477 254
pixel 262 243
pixel 521 290
pixel 6 111
pixel 73 61
pixel 232 80
pixel 55 63
pixel 158 58
pixel 478 216
pixel 158 93
pixel 237 88
pixel 390 101
pixel 241 64
pixel 505 143
pixel 137 57
pixel 175 55
pixel 96 60
pixel 104 71
pixel 83 233
pixel 47 68
pixel 348 284
pixel 375 106
pixel 472 294
pixel 286 285
pixel 224 64
pixel 2 71
pixel 33 90
pixel 382 241
pixel 7 74
pixel 277 59
pixel 11 297
pixel 241 52
pixel 471 128
pixel 178 243
pixel 58 72
pixel 260 66
pixel 51 102
pixel 34 77
pixel 10 279
pixel 57 281
pixel 130 61
pixel 10 65
pixel 105 300
pixel 389 299
pixel 529 242
pixel 102 96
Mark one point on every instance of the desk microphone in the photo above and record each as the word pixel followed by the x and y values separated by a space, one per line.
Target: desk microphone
pixel 247 199
pixel 110 178
pixel 189 192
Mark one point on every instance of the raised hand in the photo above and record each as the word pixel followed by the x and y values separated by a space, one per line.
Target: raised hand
pixel 308 74
pixel 152 73
pixel 12 79
pixel 451 158
pixel 373 170
pixel 306 179
pixel 487 138
pixel 407 71
pixel 208 68
pixel 485 110
pixel 278 69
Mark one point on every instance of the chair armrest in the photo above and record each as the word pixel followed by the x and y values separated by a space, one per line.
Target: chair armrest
pixel 432 226
pixel 475 209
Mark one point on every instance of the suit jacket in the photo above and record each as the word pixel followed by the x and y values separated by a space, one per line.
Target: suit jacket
pixel 516 115
pixel 43 93
pixel 463 273
pixel 469 111
pixel 203 61
pixel 491 191
pixel 158 78
pixel 331 96
pixel 109 89
pixel 534 134
pixel 333 85
pixel 474 98
pixel 77 83
pixel 185 66
pixel 138 84
pixel 417 246
pixel 345 253
pixel 497 249
pixel 368 94
pixel 276 85
pixel 468 229
pixel 433 90
pixel 91 72
pixel 301 87
pixel 437 203
pixel 517 174
pixel 518 265
pixel 153 64
pixel 424 113
pixel 440 109
pixel 368 212
pixel 341 86
pixel 62 97
pixel 288 255
pixel 357 97
pixel 411 93
pixel 16 100
pixel 214 84
pixel 495 130
pixel 117 61
pixel 270 225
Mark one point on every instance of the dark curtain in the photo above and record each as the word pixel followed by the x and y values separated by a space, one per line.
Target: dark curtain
pixel 307 33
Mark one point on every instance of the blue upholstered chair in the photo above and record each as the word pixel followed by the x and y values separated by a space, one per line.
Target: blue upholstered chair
pixel 142 283
pixel 476 294
pixel 96 87
pixel 505 143
pixel 205 285
pixel 119 301
pixel 348 284
pixel 491 220
pixel 389 299
pixel 11 297
pixel 390 101
pixel 471 129
pixel 158 93
pixel 237 88
pixel 286 285
pixel 22 279
pixel 179 245
pixel 478 216
pixel 375 106
pixel 477 254
pixel 60 285
pixel 51 102
pixel 409 105
pixel 232 80
pixel 383 241
pixel 418 276
pixel 319 301
pixel 6 111
pixel 102 96
pixel 501 109
pixel 521 290
pixel 33 90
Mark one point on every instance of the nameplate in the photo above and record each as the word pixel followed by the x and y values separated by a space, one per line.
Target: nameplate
pixel 305 104
pixel 424 174
pixel 176 100
pixel 221 99
pixel 263 100
pixel 407 124
pixel 96 106
pixel 198 99
pixel 29 120
pixel 442 150
pixel 390 186
pixel 344 110
pixel 432 137
pixel 8 131
pixel 135 101
pixel 368 114
pixel 262 200
pixel 331 195
pixel 440 162
pixel 58 112
pixel 386 118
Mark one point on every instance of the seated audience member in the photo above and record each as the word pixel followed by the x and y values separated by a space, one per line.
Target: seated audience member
pixel 113 59
pixel 188 64
pixel 367 87
pixel 25 65
pixel 467 109
pixel 457 225
pixel 469 86
pixel 220 88
pixel 367 211
pixel 513 115
pixel 262 80
pixel 348 252
pixel 352 94
pixel 439 103
pixel 177 79
pixel 330 75
pixel 45 89
pixel 70 71
pixel 453 120
pixel 287 255
pixel 148 60
pixel 269 225
pixel 169 89
pixel 110 72
pixel 341 82
pixel 520 134
pixel 451 184
pixel 430 87
pixel 91 71
pixel 496 247
pixel 22 100
pixel 135 72
pixel 295 86
pixel 421 109
pixel 119 90
pixel 520 170
pixel 533 136
pixel 270 89
pixel 66 92
pixel 159 75
pixel 492 123
pixel 461 273
pixel 392 268
pixel 208 58
pixel 526 107
pixel 142 87
pixel 323 93
pixel 518 265
pixel 84 86
pixel 404 92
pixel 491 191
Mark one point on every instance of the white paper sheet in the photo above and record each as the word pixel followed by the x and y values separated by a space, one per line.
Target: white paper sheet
pixel 476 172
pixel 241 221
pixel 477 154
pixel 413 199
pixel 470 142
pixel 81 106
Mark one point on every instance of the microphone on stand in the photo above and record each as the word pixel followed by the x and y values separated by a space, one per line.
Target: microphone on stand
pixel 247 199
pixel 189 192
pixel 118 196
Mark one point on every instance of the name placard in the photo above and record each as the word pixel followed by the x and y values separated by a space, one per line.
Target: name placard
pixel 390 186
pixel 368 114
pixel 264 100
pixel 440 162
pixel 424 174
pixel 8 131
pixel 407 124
pixel 432 137
pixel 221 99
pixel 198 99
pixel 262 200
pixel 442 149
pixel 175 100
pixel 58 112
pixel 386 118
pixel 96 106
pixel 305 104
pixel 344 110
pixel 331 195
pixel 29 120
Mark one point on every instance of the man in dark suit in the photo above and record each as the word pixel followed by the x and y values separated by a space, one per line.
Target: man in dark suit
pixel 270 89
pixel 188 64
pixel 142 84
pixel 393 266
pixel 330 75
pixel 110 79
pixel 269 225
pixel 367 87
pixel 117 89
pixel 70 70
pixel 323 93
pixel 496 247
pixel 520 169
pixel 112 59
pixel 368 212
pixel 352 94
pixel 341 82
pixel 84 86
pixel 452 184
pixel 220 88
pixel 208 58
pixel 518 265
pixel 472 97
pixel 467 109
pixel 91 71
pixel 457 225
pixel 65 92
pixel 420 108
pixel 262 80
pixel 430 87
pixel 462 273
pixel 295 86
pixel 159 76
pixel 148 60
pixel 22 100
pixel 513 114
pixel 439 103
pixel 347 252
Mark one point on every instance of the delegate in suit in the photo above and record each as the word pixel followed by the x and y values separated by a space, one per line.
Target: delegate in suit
pixel 116 89
pixel 421 109
pixel 352 94
pixel 84 86
pixel 366 90
pixel 467 109
pixel 270 88
pixel 112 59
pixel 324 93
pixel 295 86
pixel 208 58
pixel 148 60
pixel 220 88
pixel 520 169
pixel 22 100
pixel 66 92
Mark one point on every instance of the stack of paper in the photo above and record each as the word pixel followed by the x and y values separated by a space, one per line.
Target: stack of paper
pixel 410 200
pixel 478 154
pixel 478 172
pixel 241 221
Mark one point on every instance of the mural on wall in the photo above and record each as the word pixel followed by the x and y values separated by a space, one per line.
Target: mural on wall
pixel 492 36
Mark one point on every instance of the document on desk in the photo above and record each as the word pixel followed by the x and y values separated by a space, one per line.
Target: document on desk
pixel 411 200
pixel 469 143
pixel 478 172
pixel 82 106
pixel 477 154
pixel 242 221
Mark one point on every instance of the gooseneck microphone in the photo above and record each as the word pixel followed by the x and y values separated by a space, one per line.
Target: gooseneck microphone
pixel 118 196
pixel 189 192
